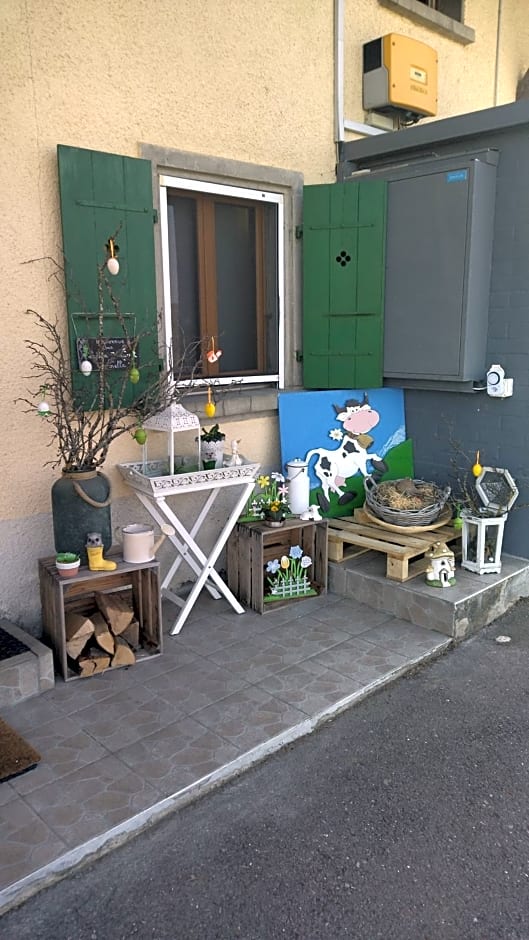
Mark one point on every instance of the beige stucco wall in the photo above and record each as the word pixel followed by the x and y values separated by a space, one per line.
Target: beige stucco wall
pixel 466 73
pixel 239 79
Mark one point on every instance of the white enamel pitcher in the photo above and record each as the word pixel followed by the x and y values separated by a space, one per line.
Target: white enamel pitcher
pixel 139 545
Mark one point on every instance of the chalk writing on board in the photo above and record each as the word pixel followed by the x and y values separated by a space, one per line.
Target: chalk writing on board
pixel 114 349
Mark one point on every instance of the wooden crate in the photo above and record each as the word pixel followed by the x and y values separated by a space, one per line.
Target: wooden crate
pixel 252 545
pixel 351 537
pixel 61 595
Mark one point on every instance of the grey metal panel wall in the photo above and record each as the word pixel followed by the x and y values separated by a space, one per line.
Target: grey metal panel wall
pixel 442 424
pixel 438 258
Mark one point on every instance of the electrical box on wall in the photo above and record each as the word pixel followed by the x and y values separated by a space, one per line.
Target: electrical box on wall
pixel 400 77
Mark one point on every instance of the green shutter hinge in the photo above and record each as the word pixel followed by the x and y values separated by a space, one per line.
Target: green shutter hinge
pixel 155 216
pixel 299 231
pixel 299 355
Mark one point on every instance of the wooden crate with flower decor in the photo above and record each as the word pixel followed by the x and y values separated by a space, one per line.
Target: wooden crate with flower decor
pixel 274 567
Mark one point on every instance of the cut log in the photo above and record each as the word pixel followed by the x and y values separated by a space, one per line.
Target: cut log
pixel 94 661
pixel 116 608
pixel 102 634
pixel 123 656
pixel 132 634
pixel 79 629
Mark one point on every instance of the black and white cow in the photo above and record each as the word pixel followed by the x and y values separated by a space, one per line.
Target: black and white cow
pixel 334 467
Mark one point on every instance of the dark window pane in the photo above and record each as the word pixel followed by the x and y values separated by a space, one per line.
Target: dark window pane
pixel 271 308
pixel 183 269
pixel 236 291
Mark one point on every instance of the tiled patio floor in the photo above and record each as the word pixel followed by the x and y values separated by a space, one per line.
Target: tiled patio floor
pixel 120 749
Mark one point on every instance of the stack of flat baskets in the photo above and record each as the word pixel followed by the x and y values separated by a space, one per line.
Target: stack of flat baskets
pixel 428 501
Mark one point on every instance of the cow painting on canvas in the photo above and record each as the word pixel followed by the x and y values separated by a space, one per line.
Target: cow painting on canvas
pixel 334 467
pixel 344 436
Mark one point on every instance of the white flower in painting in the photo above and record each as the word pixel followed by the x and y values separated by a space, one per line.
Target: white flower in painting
pixel 336 434
pixel 306 561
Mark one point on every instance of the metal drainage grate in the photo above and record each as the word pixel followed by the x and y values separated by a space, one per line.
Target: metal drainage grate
pixel 10 646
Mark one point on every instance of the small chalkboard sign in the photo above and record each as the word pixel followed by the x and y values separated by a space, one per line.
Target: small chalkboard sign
pixel 114 349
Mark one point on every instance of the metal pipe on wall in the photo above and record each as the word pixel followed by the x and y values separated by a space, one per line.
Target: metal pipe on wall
pixel 341 124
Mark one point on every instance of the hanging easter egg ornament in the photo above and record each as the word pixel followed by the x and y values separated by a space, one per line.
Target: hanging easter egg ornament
pixel 213 354
pixel 86 367
pixel 112 261
pixel 209 407
pixel 43 409
pixel 140 435
pixel 134 372
pixel 477 468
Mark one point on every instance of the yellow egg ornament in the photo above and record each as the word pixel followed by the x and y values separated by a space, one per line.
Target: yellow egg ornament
pixel 209 407
pixel 477 468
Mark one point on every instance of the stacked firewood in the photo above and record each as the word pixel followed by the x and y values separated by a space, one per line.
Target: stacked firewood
pixel 103 638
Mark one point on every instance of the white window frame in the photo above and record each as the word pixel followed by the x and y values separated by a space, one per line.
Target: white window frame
pixel 167 181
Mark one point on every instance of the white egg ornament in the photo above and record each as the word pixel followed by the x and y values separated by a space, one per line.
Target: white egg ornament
pixel 113 266
pixel 86 367
pixel 43 409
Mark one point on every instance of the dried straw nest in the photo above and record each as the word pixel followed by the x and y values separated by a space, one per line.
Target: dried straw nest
pixel 407 494
pixel 406 501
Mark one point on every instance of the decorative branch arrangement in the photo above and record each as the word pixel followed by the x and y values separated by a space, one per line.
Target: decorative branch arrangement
pixel 82 431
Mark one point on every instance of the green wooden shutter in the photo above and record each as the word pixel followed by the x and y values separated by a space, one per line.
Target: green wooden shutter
pixel 101 193
pixel 344 231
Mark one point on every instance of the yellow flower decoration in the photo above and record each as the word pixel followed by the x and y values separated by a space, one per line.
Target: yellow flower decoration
pixel 263 482
pixel 285 562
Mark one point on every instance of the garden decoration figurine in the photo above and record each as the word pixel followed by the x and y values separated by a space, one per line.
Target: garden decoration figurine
pixel 212 447
pixel 271 504
pixel 287 576
pixel 441 568
pixel 94 550
pixel 235 459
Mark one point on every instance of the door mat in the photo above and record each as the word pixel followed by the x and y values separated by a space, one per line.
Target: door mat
pixel 16 755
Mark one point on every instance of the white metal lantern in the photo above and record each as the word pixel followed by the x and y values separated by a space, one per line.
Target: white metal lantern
pixel 173 419
pixel 482 534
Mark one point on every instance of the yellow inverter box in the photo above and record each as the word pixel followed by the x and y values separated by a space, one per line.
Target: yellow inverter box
pixel 400 76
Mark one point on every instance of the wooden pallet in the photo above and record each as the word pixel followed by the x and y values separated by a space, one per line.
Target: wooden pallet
pixel 348 538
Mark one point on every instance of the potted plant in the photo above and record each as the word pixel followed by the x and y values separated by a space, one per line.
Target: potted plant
pixel 67 564
pixel 85 419
pixel 212 447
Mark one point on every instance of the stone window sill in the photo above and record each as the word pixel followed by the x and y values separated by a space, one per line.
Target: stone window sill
pixel 437 21
pixel 244 402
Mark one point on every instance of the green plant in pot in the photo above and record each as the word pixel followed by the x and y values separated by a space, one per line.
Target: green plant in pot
pixel 212 447
pixel 67 564
pixel 88 404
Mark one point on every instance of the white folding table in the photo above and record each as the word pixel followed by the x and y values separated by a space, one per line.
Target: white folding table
pixel 153 489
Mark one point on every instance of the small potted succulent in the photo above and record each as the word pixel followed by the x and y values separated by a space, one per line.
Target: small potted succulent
pixel 212 447
pixel 67 564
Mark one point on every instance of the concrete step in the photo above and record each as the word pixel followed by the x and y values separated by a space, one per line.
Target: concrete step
pixel 27 673
pixel 473 602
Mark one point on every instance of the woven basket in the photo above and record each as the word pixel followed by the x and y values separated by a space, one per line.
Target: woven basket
pixel 406 517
